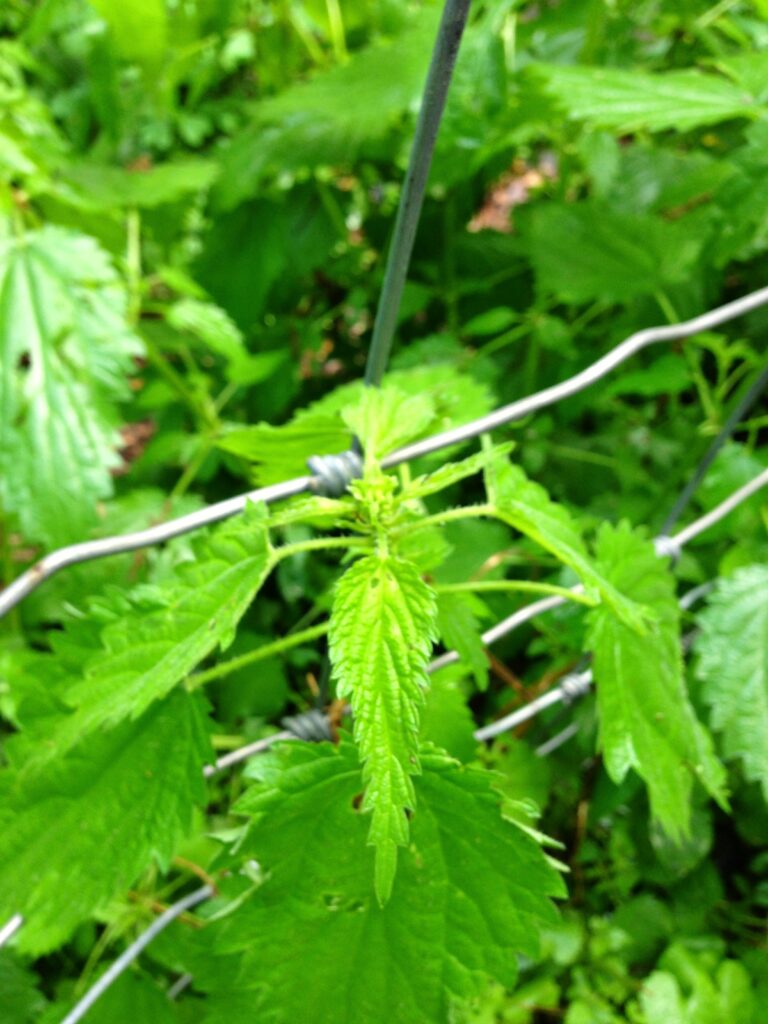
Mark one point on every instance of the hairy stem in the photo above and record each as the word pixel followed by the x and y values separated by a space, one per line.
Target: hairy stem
pixel 284 643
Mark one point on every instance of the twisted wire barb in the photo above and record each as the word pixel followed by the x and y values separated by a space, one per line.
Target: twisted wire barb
pixel 84 552
pixel 129 954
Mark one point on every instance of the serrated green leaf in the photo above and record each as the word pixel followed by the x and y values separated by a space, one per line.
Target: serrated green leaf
pixel 457 624
pixel 281 452
pixel 138 29
pixel 103 187
pixel 446 721
pixel 527 507
pixel 160 633
pixel 386 418
pixel 732 665
pixel 471 892
pixel 22 1003
pixel 381 633
pixel 453 472
pixel 76 832
pixel 314 123
pixel 620 254
pixel 646 720
pixel 65 355
pixel 625 101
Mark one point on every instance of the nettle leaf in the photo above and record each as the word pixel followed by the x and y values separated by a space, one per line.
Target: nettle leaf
pixel 457 624
pixel 454 472
pixel 626 101
pixel 646 720
pixel 75 833
pixel 65 355
pixel 732 665
pixel 381 633
pixel 472 891
pixel 621 255
pixel 527 507
pixel 281 452
pixel 386 418
pixel 161 632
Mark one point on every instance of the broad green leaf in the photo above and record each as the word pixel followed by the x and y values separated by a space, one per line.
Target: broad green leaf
pixel 76 833
pixel 159 634
pixel 626 101
pixel 386 418
pixel 139 29
pixel 22 1002
pixel 103 187
pixel 527 507
pixel 588 250
pixel 279 453
pixel 382 630
pixel 314 123
pixel 209 324
pixel 446 720
pixel 459 630
pixel 646 720
pixel 472 891
pixel 134 998
pixel 732 665
pixel 65 355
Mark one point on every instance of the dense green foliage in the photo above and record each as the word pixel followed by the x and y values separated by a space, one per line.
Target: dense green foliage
pixel 195 205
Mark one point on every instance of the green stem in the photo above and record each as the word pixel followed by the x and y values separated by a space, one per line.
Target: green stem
pixel 285 643
pixel 336 25
pixel 523 586
pixel 133 265
pixel 176 381
pixel 322 544
pixel 449 516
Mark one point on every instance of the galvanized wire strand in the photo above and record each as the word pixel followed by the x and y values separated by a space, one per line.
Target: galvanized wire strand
pixel 549 396
pixel 127 957
pixel 91 549
pixel 737 414
pixel 439 76
pixel 88 550
pixel 10 928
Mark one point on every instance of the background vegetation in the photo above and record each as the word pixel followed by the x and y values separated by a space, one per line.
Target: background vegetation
pixel 204 191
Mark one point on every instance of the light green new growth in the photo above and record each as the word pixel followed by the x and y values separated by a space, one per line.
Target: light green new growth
pixel 383 625
pixel 733 667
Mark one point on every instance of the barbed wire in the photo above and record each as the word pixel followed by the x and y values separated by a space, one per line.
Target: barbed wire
pixel 86 551
pixel 571 688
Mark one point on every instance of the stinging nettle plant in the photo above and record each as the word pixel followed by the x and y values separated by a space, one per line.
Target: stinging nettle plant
pixel 384 841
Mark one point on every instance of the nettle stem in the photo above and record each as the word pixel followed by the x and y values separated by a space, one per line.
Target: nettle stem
pixel 280 646
pixel 523 586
